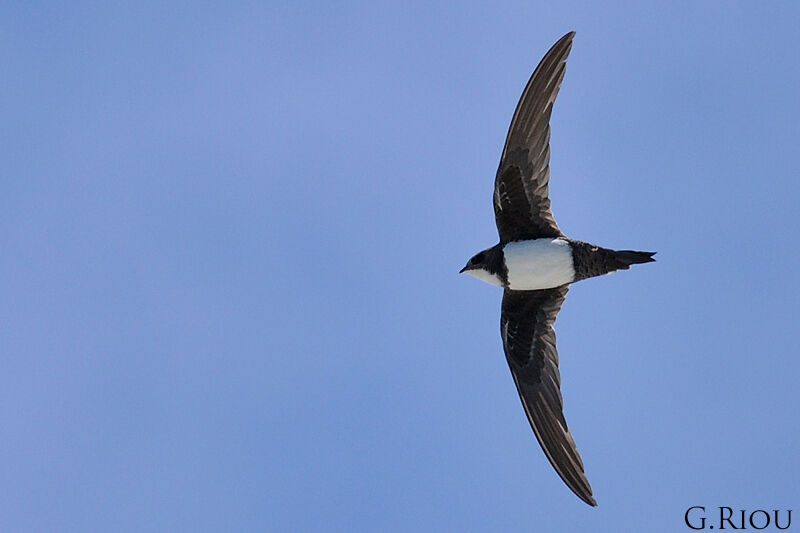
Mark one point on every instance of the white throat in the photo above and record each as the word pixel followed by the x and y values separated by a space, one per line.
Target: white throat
pixel 485 275
pixel 538 264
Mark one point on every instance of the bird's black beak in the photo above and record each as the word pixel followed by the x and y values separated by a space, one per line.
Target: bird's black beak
pixel 462 270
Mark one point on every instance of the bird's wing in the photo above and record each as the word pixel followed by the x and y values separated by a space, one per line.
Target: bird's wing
pixel 526 326
pixel 521 190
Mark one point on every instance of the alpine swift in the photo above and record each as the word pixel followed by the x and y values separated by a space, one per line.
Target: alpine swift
pixel 535 263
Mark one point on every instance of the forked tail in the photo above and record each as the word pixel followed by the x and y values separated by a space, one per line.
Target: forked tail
pixel 626 258
pixel 590 260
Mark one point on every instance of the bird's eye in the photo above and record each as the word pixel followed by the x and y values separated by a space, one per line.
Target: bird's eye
pixel 478 258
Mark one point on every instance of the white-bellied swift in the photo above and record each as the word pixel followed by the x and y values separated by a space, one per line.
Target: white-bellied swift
pixel 535 263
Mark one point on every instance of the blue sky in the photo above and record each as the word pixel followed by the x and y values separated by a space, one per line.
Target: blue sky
pixel 229 244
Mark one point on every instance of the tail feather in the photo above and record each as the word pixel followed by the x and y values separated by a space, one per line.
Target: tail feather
pixel 590 260
pixel 626 258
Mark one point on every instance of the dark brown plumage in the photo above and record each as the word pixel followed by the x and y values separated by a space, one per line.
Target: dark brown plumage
pixel 541 256
pixel 522 212
pixel 590 260
pixel 522 192
pixel 526 327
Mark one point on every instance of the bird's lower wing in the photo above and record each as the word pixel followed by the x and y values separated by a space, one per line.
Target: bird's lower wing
pixel 529 341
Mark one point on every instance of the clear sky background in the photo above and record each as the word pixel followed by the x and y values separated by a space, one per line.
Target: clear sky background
pixel 229 244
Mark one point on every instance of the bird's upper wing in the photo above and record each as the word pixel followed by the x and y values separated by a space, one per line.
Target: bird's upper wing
pixel 521 191
pixel 526 326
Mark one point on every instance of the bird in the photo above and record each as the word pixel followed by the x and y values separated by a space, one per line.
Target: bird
pixel 535 264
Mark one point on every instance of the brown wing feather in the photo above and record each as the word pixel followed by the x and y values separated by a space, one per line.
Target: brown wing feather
pixel 521 194
pixel 526 326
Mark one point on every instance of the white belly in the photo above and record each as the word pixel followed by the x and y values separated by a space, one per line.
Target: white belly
pixel 538 264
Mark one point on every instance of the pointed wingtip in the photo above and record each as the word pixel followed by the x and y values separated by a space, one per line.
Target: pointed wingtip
pixel 584 493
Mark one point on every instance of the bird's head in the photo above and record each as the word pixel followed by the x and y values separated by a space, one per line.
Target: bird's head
pixel 478 261
pixel 484 266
